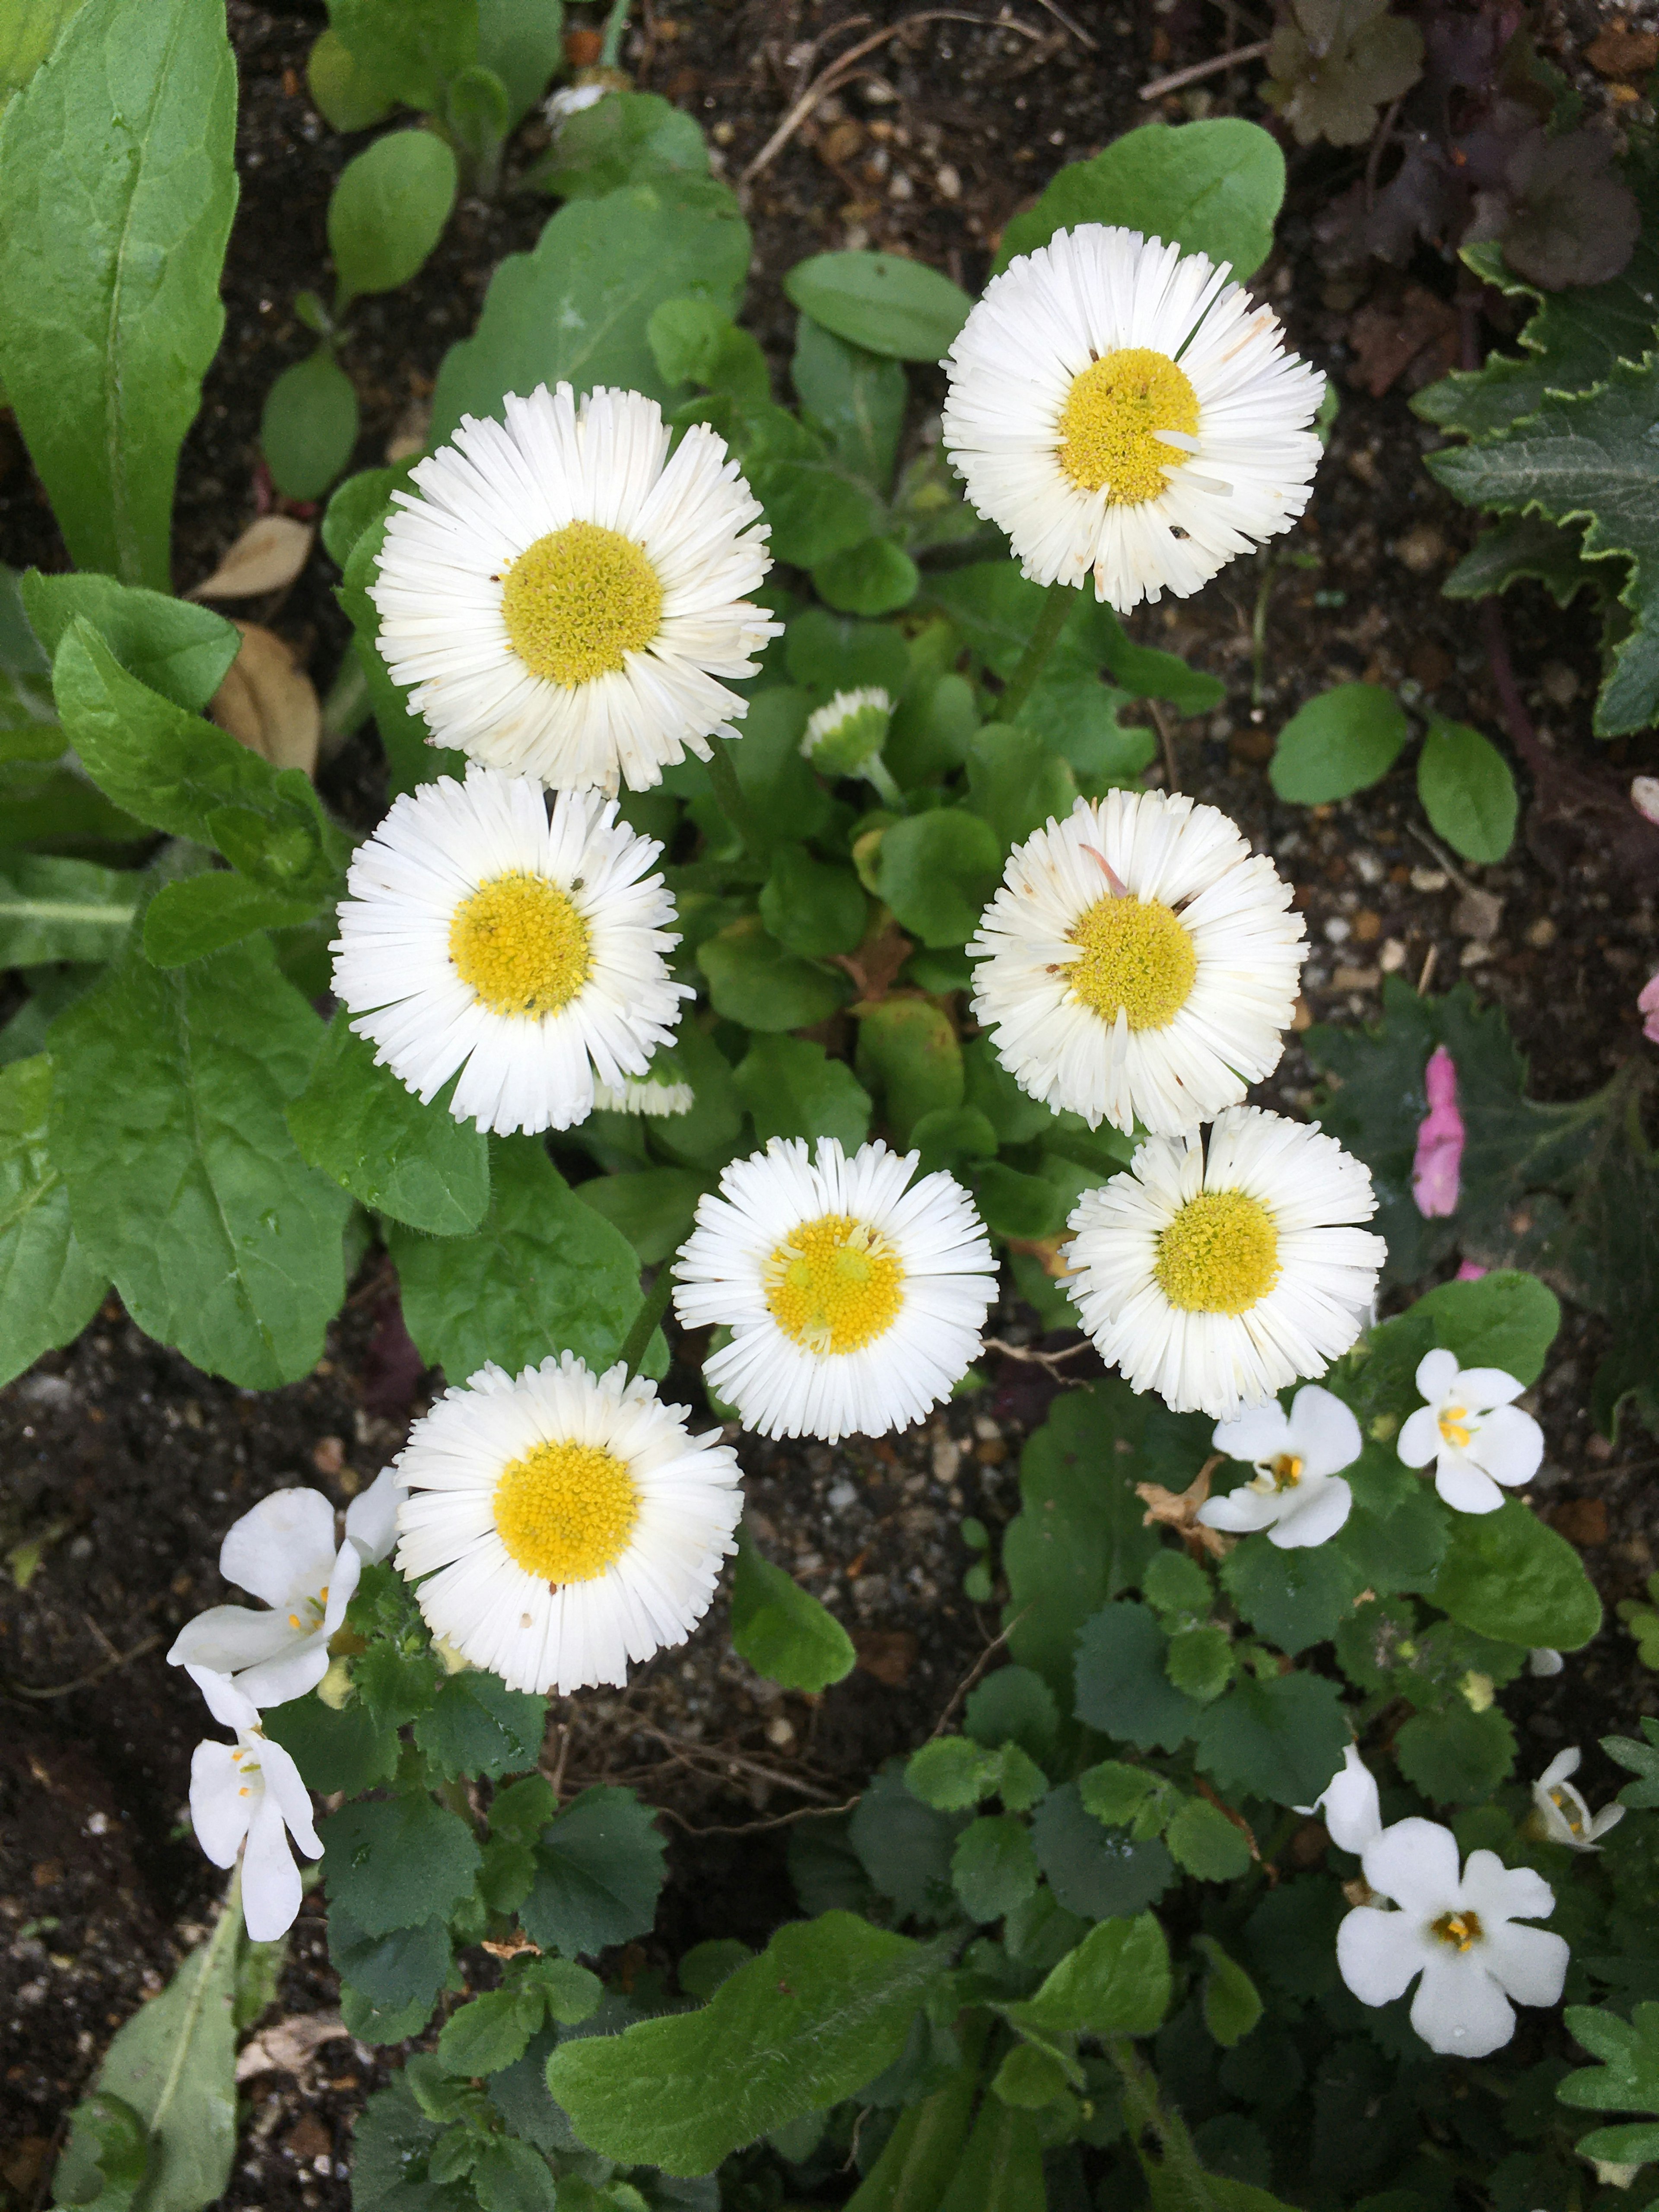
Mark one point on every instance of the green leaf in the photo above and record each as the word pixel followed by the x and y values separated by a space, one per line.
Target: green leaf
pixel 475 1725
pixel 855 397
pixel 28 30
pixel 626 138
pixel 1116 1982
pixel 1012 1706
pixel 1524 546
pixel 398 1862
pixel 1281 1737
pixel 811 908
pixel 1588 457
pixel 343 93
pixel 184 1183
pixel 1643 1760
pixel 349 1750
pixel 411 758
pixel 937 871
pixel 411 48
pixel 1330 70
pixel 1232 2003
pixel 1468 791
pixel 887 305
pixel 908 1049
pixel 1122 1686
pixel 492 2031
pixel 782 792
pixel 828 2003
pixel 1507 1575
pixel 793 1089
pixel 694 342
pixel 753 980
pixel 994 1868
pixel 654 1209
pixel 780 1629
pixel 1457 1757
pixel 576 307
pixel 905 1846
pixel 1295 1598
pixel 1210 188
pixel 1205 1843
pixel 105 2158
pixel 875 577
pixel 52 909
pixel 390 2145
pixel 511 2176
pixel 116 161
pixel 387 211
pixel 1000 2165
pixel 948 1136
pixel 598 1870
pixel 1627 2080
pixel 184 652
pixel 1017 781
pixel 1092 1870
pixel 358 1123
pixel 952 1773
pixel 198 916
pixel 543 1274
pixel 1343 741
pixel 478 115
pixel 522 41
pixel 41 804
pixel 308 426
pixel 399 1972
pixel 173 2065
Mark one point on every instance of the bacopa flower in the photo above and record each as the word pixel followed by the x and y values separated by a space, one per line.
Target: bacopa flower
pixel 284 1552
pixel 1461 1932
pixel 1647 1004
pixel 1349 1804
pixel 1121 410
pixel 247 1798
pixel 1297 1494
pixel 1473 1432
pixel 1437 1170
pixel 1564 1816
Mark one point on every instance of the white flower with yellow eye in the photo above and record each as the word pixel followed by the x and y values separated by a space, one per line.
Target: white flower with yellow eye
pixel 1562 1813
pixel 1473 1430
pixel 567 598
pixel 1215 1278
pixel 525 950
pixel 1138 963
pixel 1121 411
pixel 855 1298
pixel 560 1524
pixel 1297 1494
pixel 246 1799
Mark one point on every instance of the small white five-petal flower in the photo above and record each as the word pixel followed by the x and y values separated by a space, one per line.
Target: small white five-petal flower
pixel 1462 1932
pixel 1562 1812
pixel 1349 1805
pixel 1298 1495
pixel 1472 1429
pixel 249 1793
pixel 284 1552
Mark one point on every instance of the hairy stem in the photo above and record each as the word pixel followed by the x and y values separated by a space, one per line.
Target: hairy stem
pixel 1055 608
pixel 653 1307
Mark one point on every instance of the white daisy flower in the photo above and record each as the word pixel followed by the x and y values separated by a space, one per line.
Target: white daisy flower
pixel 660 1093
pixel 1216 1281
pixel 1461 1932
pixel 563 1523
pixel 1139 962
pixel 284 1552
pixel 855 1298
pixel 565 598
pixel 1118 407
pixel 1298 1495
pixel 846 735
pixel 526 951
pixel 1472 1429
pixel 1349 1804
pixel 1562 1812
pixel 250 1793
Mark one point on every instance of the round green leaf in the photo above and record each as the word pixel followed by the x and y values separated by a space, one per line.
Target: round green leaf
pixel 753 980
pixel 937 871
pixel 1507 1575
pixel 793 1089
pixel 810 907
pixel 780 1629
pixel 1468 791
pixel 881 301
pixel 1458 1757
pixel 343 93
pixel 388 211
pixel 1344 740
pixel 875 578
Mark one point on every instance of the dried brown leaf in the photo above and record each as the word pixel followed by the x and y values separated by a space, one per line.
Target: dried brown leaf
pixel 286 2044
pixel 267 702
pixel 267 557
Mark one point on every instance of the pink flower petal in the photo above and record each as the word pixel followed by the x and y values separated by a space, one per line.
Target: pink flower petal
pixel 1440 1136
pixel 1470 1272
pixel 1647 1004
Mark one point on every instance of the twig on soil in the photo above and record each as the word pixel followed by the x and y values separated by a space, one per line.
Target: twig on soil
pixel 1166 738
pixel 690 1754
pixel 975 1671
pixel 85 1682
pixel 1439 856
pixel 1076 30
pixel 1214 67
pixel 1423 979
pixel 1023 1354
pixel 754 1827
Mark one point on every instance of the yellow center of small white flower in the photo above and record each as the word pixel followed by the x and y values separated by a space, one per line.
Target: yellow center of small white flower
pixel 1136 957
pixel 1459 1930
pixel 1285 1471
pixel 566 1511
pixel 833 1284
pixel 578 600
pixel 1569 1812
pixel 1220 1254
pixel 520 945
pixel 1110 424
pixel 1453 1425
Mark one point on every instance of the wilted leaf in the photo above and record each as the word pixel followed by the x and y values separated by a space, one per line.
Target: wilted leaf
pixel 1563 217
pixel 1335 63
pixel 268 703
pixel 267 557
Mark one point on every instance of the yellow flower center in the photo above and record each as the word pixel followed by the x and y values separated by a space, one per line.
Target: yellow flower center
pixel 520 945
pixel 1285 1470
pixel 1220 1254
pixel 1453 1425
pixel 1110 424
pixel 833 1284
pixel 1569 1812
pixel 578 599
pixel 565 1512
pixel 1459 1929
pixel 1135 957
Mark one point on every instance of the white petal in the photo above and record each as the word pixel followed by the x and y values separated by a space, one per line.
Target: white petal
pixel 1415 1862
pixel 1530 1964
pixel 271 1887
pixel 284 1546
pixel 1459 2009
pixel 1419 1437
pixel 1564 1764
pixel 289 1793
pixel 1350 1806
pixel 1377 1953
pixel 1463 1486
pixel 371 1521
pixel 221 1801
pixel 1509 1446
pixel 1323 1431
pixel 1482 1388
pixel 1241 1511
pixel 1499 1893
pixel 289 1674
pixel 1436 1375
pixel 228 1637
pixel 1315 1510
pixel 1262 1433
pixel 227 1704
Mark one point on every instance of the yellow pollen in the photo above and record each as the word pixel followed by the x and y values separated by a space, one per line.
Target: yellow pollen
pixel 566 1511
pixel 833 1284
pixel 1287 1471
pixel 1569 1812
pixel 1136 957
pixel 1109 426
pixel 1220 1254
pixel 1453 1425
pixel 520 947
pixel 1460 1930
pixel 293 1620
pixel 578 599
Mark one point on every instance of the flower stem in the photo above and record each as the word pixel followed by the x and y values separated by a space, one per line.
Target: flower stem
pixel 1055 608
pixel 615 24
pixel 653 1307
pixel 880 776
pixel 1182 2174
pixel 728 794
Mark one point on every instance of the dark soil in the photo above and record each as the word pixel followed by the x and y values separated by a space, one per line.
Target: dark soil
pixel 126 1465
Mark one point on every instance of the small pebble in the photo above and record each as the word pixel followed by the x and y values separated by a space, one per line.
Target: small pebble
pixel 1428 880
pixel 781 1733
pixel 947 182
pixel 1541 933
pixel 1474 954
pixel 1391 955
pixel 1338 929
pixel 1478 914
pixel 1558 683
pixel 1369 867
pixel 1421 551
pixel 841 1495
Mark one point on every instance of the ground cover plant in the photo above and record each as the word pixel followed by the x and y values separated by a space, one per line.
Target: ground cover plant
pixel 771 931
